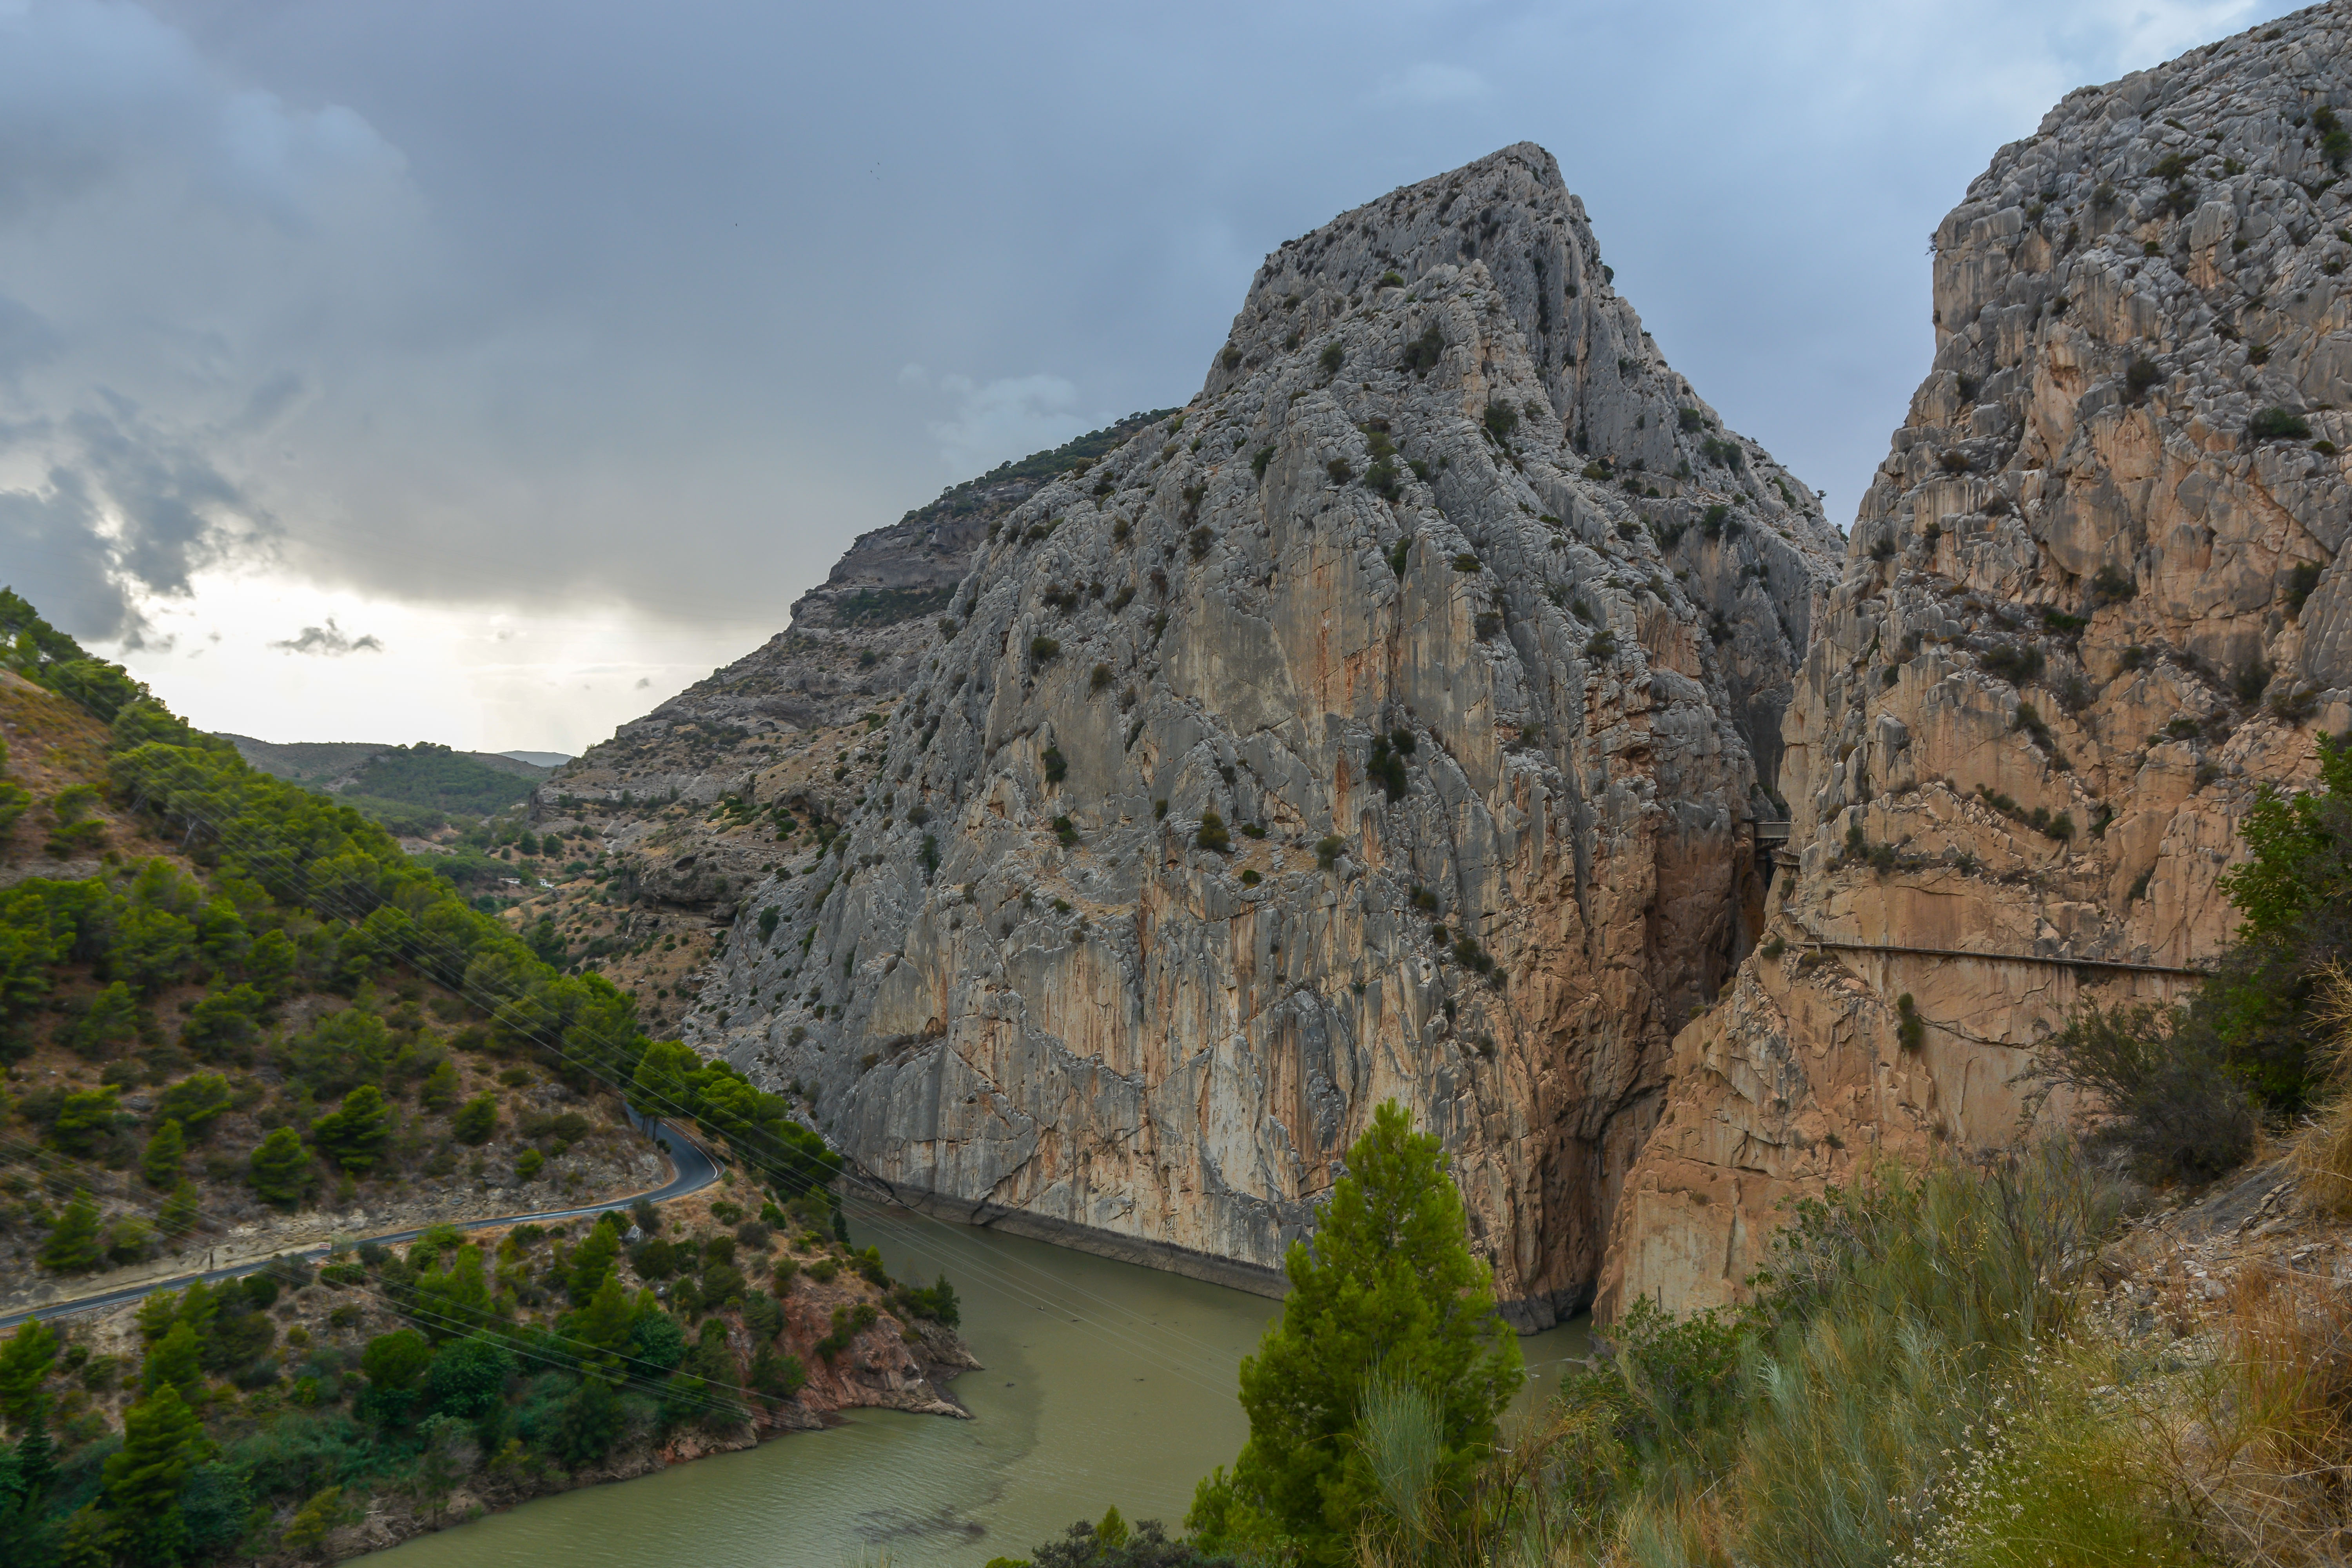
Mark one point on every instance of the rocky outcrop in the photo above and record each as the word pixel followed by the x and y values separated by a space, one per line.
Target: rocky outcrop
pixel 717 786
pixel 2092 604
pixel 1386 724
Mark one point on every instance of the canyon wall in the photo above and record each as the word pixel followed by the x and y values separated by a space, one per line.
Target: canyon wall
pixel 1388 723
pixel 2091 605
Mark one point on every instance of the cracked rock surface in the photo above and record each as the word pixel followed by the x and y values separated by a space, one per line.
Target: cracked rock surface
pixel 2092 603
pixel 1388 723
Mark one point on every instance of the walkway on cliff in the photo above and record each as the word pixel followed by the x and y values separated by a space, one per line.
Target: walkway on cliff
pixel 695 1170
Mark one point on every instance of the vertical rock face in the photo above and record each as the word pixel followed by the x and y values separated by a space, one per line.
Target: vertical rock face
pixel 1386 724
pixel 709 792
pixel 2092 603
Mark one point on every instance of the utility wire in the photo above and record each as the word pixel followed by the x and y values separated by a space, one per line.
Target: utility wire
pixel 414 940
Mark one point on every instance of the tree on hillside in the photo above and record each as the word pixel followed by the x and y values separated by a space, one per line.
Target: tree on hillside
pixel 161 1440
pixel 166 1151
pixel 1388 1289
pixel 280 1167
pixel 353 1137
pixel 24 1362
pixel 73 1247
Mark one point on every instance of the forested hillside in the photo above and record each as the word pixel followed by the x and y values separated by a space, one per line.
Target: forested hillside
pixel 232 1009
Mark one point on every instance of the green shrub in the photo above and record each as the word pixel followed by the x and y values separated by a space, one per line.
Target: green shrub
pixel 2275 423
pixel 2301 579
pixel 1332 357
pixel 1212 834
pixel 1502 420
pixel 1041 648
pixel 2012 662
pixel 1422 354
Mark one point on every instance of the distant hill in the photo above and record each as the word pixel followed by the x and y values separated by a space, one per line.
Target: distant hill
pixel 539 759
pixel 411 790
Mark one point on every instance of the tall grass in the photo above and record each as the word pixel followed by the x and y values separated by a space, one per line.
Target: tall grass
pixel 1911 1386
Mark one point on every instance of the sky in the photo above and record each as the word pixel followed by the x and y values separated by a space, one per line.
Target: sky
pixel 486 370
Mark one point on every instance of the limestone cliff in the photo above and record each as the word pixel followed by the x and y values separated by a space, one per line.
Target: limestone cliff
pixel 1387 723
pixel 721 784
pixel 2092 603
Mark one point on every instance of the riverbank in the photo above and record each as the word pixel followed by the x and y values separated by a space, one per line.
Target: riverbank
pixel 400 1390
pixel 1105 1383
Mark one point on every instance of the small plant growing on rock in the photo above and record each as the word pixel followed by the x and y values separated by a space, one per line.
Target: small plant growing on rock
pixel 2301 579
pixel 1327 851
pixel 1212 834
pixel 1041 648
pixel 1910 1029
pixel 2275 423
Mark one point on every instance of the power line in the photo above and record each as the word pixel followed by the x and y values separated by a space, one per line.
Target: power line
pixel 414 939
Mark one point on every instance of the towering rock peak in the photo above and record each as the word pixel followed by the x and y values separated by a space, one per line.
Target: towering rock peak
pixel 2094 602
pixel 1384 724
pixel 1620 405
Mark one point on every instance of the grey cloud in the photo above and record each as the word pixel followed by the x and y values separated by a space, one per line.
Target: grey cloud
pixel 542 303
pixel 331 641
pixel 25 339
pixel 123 512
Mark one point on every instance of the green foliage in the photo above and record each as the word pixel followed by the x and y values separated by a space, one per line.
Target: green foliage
pixel 437 779
pixel 1388 1289
pixel 672 1079
pixel 72 1245
pixel 1384 763
pixel 85 1118
pixel 476 1119
pixel 167 1151
pixel 590 1423
pixel 25 1361
pixel 1212 834
pixel 1423 352
pixel 1501 420
pixel 162 1441
pixel 2165 1076
pixel 279 1168
pixel 2278 425
pixel 353 1136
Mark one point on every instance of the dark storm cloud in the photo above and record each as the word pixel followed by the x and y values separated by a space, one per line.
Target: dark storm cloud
pixel 120 512
pixel 538 301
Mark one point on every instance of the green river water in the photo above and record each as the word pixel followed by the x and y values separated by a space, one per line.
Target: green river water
pixel 1102 1382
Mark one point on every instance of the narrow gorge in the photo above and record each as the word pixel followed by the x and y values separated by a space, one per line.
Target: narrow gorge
pixel 1420 711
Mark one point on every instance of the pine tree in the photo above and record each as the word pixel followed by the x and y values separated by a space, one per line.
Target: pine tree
pixel 73 1247
pixel 605 1322
pixel 476 1119
pixel 353 1137
pixel 36 1463
pixel 174 1362
pixel 279 1168
pixel 24 1362
pixel 593 1260
pixel 1389 1287
pixel 166 1151
pixel 161 1440
pixel 178 1217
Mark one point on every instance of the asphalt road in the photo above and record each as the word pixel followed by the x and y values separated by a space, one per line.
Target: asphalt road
pixel 696 1171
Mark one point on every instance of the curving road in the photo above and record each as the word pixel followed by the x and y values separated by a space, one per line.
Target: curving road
pixel 695 1170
